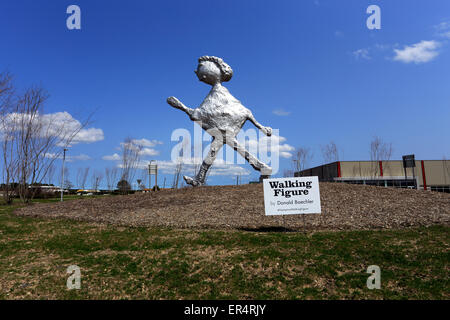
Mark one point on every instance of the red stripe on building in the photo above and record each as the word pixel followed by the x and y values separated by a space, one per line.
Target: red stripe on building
pixel 424 177
pixel 339 169
pixel 381 168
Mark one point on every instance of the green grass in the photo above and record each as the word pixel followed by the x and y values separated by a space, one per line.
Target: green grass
pixel 142 263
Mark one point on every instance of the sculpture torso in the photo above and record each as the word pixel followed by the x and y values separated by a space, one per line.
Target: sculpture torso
pixel 220 110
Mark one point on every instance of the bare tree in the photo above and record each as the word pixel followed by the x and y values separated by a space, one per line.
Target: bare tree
pixel 9 161
pixel 96 179
pixel 131 156
pixel 177 174
pixel 379 151
pixel 301 158
pixel 82 174
pixel 31 139
pixel 50 174
pixel 143 178
pixel 66 184
pixel 330 152
pixel 79 175
pixel 196 161
pixel 111 177
pixel 288 173
pixel 179 164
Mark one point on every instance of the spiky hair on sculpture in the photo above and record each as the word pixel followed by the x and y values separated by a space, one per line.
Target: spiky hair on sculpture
pixel 226 70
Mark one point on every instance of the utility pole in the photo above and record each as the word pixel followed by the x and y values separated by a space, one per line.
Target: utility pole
pixel 62 174
pixel 149 178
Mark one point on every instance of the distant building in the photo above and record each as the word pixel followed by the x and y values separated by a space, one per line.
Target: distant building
pixel 431 175
pixel 46 189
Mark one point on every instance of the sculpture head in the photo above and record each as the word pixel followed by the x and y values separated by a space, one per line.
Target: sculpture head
pixel 212 70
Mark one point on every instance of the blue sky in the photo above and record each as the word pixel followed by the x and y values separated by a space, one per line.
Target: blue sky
pixel 311 69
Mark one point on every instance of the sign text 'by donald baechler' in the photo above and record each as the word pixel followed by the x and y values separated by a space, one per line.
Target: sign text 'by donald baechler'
pixel 296 195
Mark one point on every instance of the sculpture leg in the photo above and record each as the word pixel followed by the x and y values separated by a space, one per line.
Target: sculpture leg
pixel 199 180
pixel 258 165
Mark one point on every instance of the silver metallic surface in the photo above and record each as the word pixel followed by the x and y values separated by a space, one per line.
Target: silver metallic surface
pixel 222 116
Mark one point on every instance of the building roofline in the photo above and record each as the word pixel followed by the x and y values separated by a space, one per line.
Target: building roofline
pixel 340 161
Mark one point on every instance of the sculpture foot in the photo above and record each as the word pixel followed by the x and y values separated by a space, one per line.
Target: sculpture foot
pixel 265 173
pixel 192 182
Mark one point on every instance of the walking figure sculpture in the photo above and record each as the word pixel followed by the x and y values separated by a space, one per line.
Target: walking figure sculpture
pixel 222 116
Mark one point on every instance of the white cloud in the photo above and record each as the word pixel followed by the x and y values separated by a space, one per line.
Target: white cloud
pixel 270 144
pixel 445 25
pixel 421 52
pixel 446 34
pixel 62 125
pixel 148 152
pixel 88 136
pixel 81 157
pixel 146 143
pixel 114 157
pixel 285 154
pixel 136 144
pixel 361 54
pixel 443 29
pixel 281 112
pixel 189 165
pixel 383 47
pixel 338 34
pixel 69 158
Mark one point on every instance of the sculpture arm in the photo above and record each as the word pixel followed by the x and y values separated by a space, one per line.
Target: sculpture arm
pixel 174 102
pixel 266 130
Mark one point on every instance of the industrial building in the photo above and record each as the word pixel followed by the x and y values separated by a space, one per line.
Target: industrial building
pixel 433 175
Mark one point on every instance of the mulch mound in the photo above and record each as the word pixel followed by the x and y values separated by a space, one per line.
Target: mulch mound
pixel 344 207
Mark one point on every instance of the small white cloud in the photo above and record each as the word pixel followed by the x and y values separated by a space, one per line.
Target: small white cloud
pixel 421 52
pixel 143 146
pixel 114 157
pixel 81 157
pixel 445 25
pixel 148 152
pixel 272 144
pixel 146 143
pixel 382 47
pixel 338 34
pixel 443 29
pixel 361 54
pixel 285 154
pixel 281 112
pixel 445 34
pixel 88 136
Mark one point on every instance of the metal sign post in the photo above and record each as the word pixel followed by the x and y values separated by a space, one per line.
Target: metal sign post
pixel 152 169
pixel 62 174
pixel 410 162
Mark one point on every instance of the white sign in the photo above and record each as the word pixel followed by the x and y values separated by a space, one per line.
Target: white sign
pixel 296 195
pixel 152 169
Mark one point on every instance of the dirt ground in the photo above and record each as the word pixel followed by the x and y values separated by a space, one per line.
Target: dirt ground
pixel 344 207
